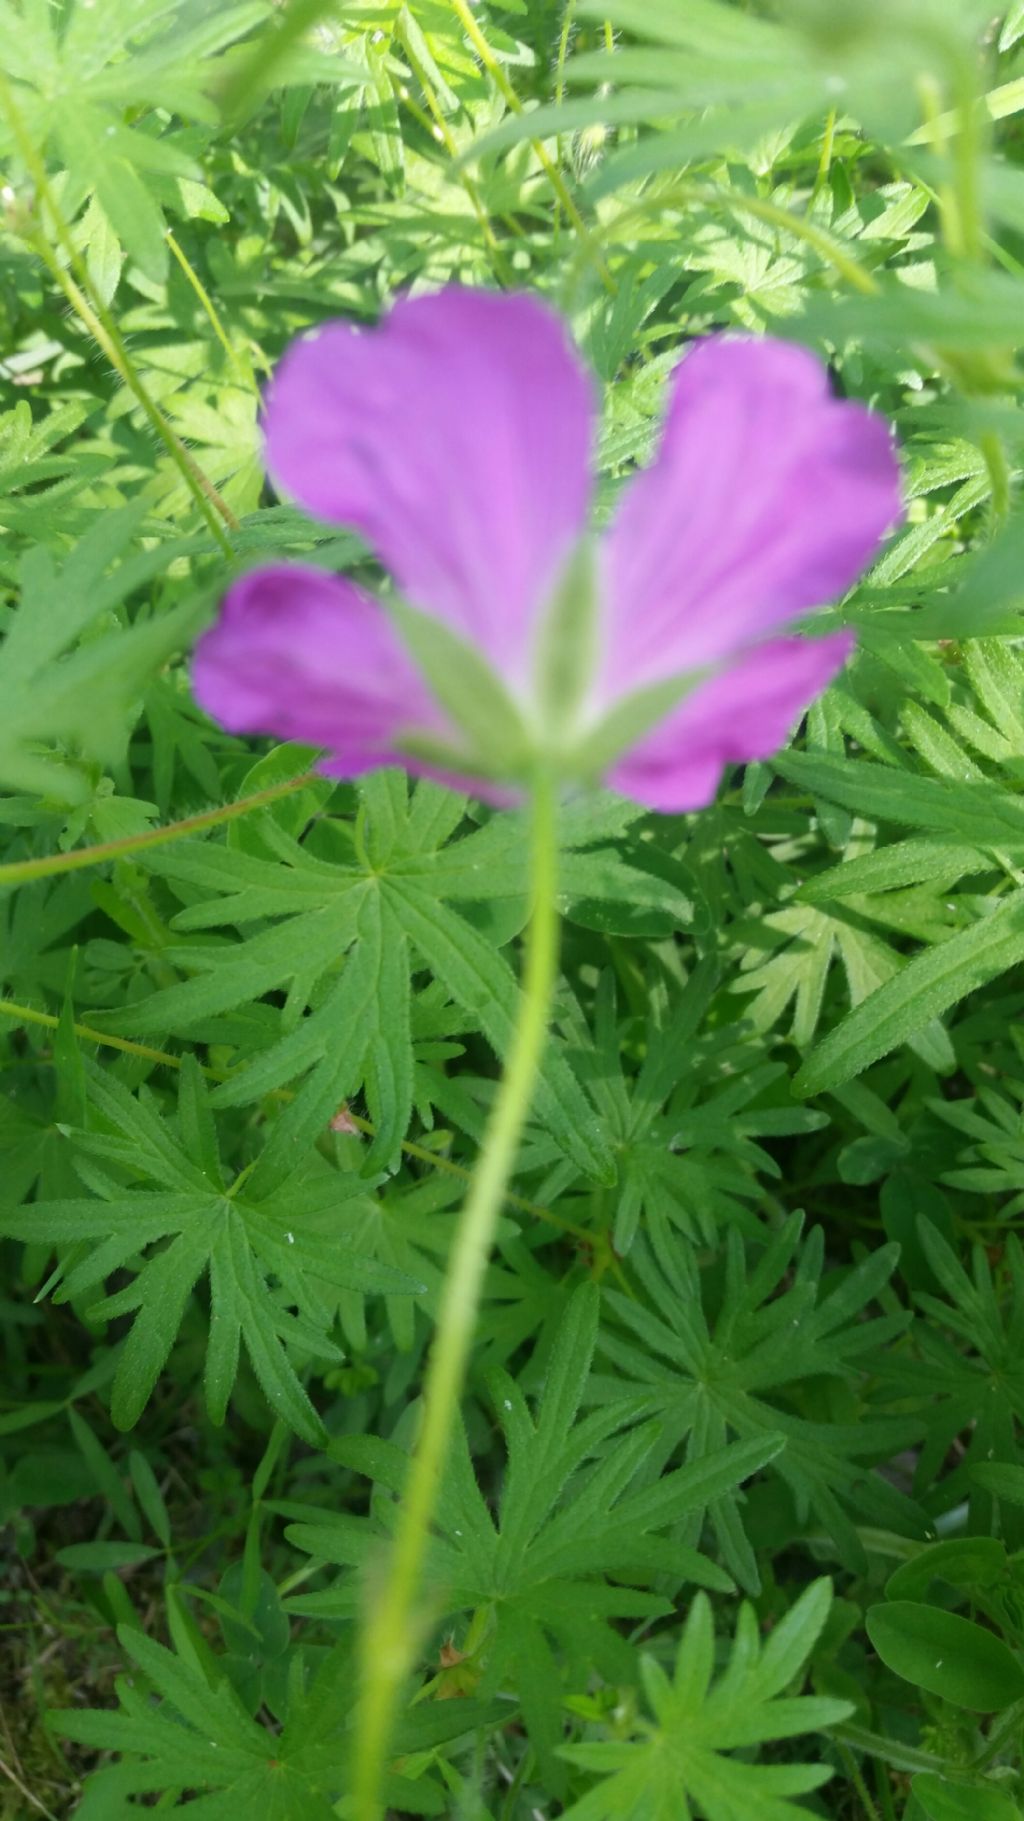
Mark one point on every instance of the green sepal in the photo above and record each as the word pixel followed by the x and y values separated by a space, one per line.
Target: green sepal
pixel 468 691
pixel 629 720
pixel 567 647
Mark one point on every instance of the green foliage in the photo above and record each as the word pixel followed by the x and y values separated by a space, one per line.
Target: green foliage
pixel 534 1576
pixel 166 1185
pixel 678 1765
pixel 756 1309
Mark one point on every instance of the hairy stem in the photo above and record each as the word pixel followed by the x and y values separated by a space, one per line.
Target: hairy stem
pixel 554 176
pixel 391 1627
pixel 420 1153
pixel 91 311
pixel 18 872
pixel 242 367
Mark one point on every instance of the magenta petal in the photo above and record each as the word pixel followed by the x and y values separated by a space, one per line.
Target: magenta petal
pixel 767 497
pixel 456 438
pixel 305 656
pixel 744 713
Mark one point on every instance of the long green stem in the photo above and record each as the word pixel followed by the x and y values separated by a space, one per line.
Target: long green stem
pixel 563 51
pixel 683 195
pixel 499 75
pixel 849 1764
pixel 250 81
pixel 437 126
pixel 391 1628
pixel 18 872
pixel 91 310
pixel 435 1160
pixel 242 367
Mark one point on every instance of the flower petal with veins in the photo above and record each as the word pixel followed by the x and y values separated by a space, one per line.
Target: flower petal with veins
pixel 744 713
pixel 456 438
pixel 767 497
pixel 304 655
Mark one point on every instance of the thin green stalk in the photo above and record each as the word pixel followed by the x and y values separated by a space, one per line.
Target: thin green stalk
pixel 563 50
pixel 242 368
pixel 825 160
pixel 108 340
pixel 959 137
pixel 17 872
pixel 440 126
pixel 28 1014
pixel 993 449
pixel 850 1766
pixel 967 157
pixel 554 176
pixel 256 73
pixel 883 1787
pixel 683 195
pixel 91 310
pixel 391 1627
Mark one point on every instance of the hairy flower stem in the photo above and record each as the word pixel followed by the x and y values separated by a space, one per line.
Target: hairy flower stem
pixel 391 1629
pixel 499 75
pixel 90 309
pixel 434 1160
pixel 17 872
pixel 242 367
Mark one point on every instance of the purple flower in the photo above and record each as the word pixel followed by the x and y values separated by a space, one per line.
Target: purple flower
pixel 457 439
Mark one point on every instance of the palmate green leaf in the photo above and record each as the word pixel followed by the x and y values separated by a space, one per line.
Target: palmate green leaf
pixel 274 1274
pixel 368 907
pixel 362 1033
pixel 811 943
pixel 88 147
pixel 481 981
pixel 991 1163
pixel 677 1765
pixel 973 825
pixel 689 60
pixel 36 924
pixel 927 986
pixel 747 1372
pixel 688 1158
pixel 980 814
pixel 730 79
pixel 182 1731
pixel 889 868
pixel 224 437
pixel 28 1145
pixel 172 55
pixel 57 696
pixel 27 458
pixel 967 1357
pixel 577 1506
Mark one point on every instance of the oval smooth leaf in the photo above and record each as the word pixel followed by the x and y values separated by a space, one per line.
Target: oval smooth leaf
pixel 946 1655
pixel 944 1801
pixel 98 1558
pixel 969 1561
